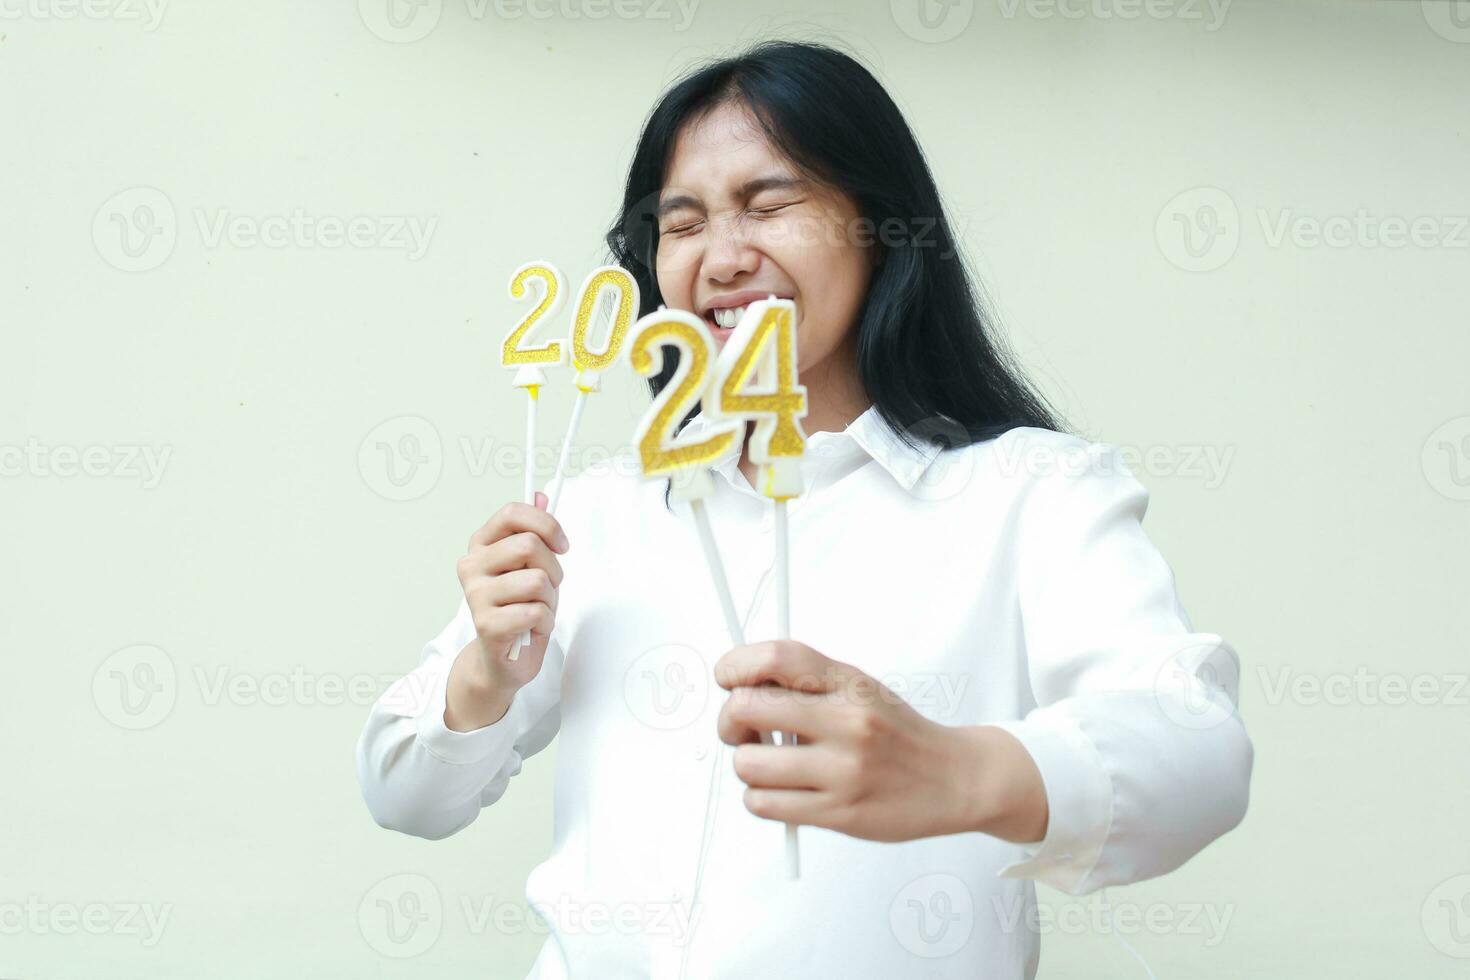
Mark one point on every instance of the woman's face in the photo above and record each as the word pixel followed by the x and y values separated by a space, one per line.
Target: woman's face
pixel 737 223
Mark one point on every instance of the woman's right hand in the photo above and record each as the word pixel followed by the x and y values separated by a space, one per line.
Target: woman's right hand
pixel 511 578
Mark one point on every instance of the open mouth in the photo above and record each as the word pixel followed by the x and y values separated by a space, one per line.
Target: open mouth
pixel 726 318
pixel 722 320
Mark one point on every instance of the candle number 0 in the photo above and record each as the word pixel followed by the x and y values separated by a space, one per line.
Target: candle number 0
pixel 608 277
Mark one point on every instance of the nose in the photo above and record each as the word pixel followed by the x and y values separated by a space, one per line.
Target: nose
pixel 728 253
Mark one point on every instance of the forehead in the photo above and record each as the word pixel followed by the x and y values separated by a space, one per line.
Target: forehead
pixel 717 152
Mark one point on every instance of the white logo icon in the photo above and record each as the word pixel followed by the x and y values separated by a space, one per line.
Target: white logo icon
pixel 135 230
pixel 933 916
pixel 1446 459
pixel 667 687
pixel 1446 917
pixel 401 459
pixel 932 21
pixel 1196 689
pixel 1199 230
pixel 136 687
pixel 401 916
pixel 400 21
pixel 1450 19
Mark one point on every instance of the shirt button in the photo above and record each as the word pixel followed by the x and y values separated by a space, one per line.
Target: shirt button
pixel 701 752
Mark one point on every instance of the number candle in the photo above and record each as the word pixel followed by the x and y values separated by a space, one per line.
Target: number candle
pixel 687 463
pixel 528 362
pixel 604 281
pixel 755 379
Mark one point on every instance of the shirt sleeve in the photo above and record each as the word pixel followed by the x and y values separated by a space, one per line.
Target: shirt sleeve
pixel 1134 727
pixel 421 778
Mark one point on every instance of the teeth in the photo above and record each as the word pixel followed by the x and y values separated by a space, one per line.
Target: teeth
pixel 728 317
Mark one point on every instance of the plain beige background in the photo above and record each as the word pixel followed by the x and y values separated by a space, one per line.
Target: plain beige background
pixel 243 447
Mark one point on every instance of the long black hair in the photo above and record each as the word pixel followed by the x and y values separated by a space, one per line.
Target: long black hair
pixel 926 354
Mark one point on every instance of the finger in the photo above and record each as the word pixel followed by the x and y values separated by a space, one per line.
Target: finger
pixel 535 618
pixel 516 517
pixel 521 585
pixel 752 710
pixel 785 662
pixel 521 550
pixel 542 501
pixel 786 766
pixel 816 808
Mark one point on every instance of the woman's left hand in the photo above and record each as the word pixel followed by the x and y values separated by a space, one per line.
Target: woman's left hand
pixel 866 763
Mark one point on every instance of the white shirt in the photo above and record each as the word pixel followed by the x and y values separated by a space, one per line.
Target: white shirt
pixel 1006 583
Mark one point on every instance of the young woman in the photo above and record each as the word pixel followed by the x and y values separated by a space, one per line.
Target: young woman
pixel 992 679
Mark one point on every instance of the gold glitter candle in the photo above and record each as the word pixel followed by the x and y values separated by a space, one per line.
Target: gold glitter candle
pixel 659 454
pixel 589 363
pixel 755 379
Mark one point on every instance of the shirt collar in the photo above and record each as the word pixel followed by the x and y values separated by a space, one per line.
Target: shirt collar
pixel 868 433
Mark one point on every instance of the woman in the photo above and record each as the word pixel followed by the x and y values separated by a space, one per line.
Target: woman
pixel 992 678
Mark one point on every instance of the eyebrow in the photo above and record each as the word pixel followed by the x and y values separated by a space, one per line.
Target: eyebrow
pixel 745 191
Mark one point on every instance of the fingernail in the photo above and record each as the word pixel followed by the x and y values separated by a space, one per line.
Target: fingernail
pixel 562 544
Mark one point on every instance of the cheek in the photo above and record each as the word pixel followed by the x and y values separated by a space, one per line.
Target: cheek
pixel 833 282
pixel 672 287
pixel 677 261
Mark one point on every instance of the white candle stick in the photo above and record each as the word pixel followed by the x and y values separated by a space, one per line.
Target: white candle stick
pixel 528 362
pixel 727 603
pixel 783 632
pixel 604 281
pixel 533 391
pixel 717 571
pixel 737 637
pixel 756 380
pixel 566 450
pixel 687 463
pixel 529 495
